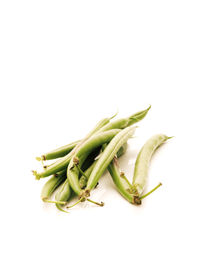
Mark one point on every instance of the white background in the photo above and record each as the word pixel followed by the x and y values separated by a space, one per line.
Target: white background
pixel 64 65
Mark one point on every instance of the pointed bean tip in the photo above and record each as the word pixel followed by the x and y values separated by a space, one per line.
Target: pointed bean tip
pixel 112 117
pixel 149 107
pixel 38 158
pixel 59 208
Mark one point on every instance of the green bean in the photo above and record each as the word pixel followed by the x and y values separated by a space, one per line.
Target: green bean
pixel 143 160
pixel 63 194
pixel 107 156
pixel 65 191
pixel 63 162
pixel 81 154
pixel 50 186
pixel 64 150
pixel 83 180
pixel 125 122
pixel 59 152
pixel 122 185
pixel 103 125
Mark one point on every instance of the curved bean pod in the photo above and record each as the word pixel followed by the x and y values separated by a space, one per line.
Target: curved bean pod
pixel 125 122
pixel 64 150
pixel 83 180
pixel 122 185
pixel 143 160
pixel 63 162
pixel 107 156
pixel 51 185
pixel 103 125
pixel 65 191
pixel 82 153
pixel 63 194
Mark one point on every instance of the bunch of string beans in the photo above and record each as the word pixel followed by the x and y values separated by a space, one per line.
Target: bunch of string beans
pixel 80 164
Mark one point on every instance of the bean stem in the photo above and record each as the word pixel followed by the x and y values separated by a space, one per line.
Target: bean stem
pixel 69 207
pixel 97 203
pixel 147 194
pixel 79 169
pixel 125 178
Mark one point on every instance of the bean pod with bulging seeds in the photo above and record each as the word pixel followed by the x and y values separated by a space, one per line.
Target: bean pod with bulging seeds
pixel 107 156
pixel 143 160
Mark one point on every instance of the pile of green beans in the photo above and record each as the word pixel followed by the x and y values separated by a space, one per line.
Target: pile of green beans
pixel 79 165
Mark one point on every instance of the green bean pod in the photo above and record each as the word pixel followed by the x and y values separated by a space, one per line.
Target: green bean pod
pixel 125 122
pixel 83 180
pixel 64 150
pixel 143 160
pixel 102 126
pixel 51 185
pixel 107 156
pixel 122 185
pixel 64 191
pixel 82 153
pixel 64 161
pixel 63 194
pixel 59 152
